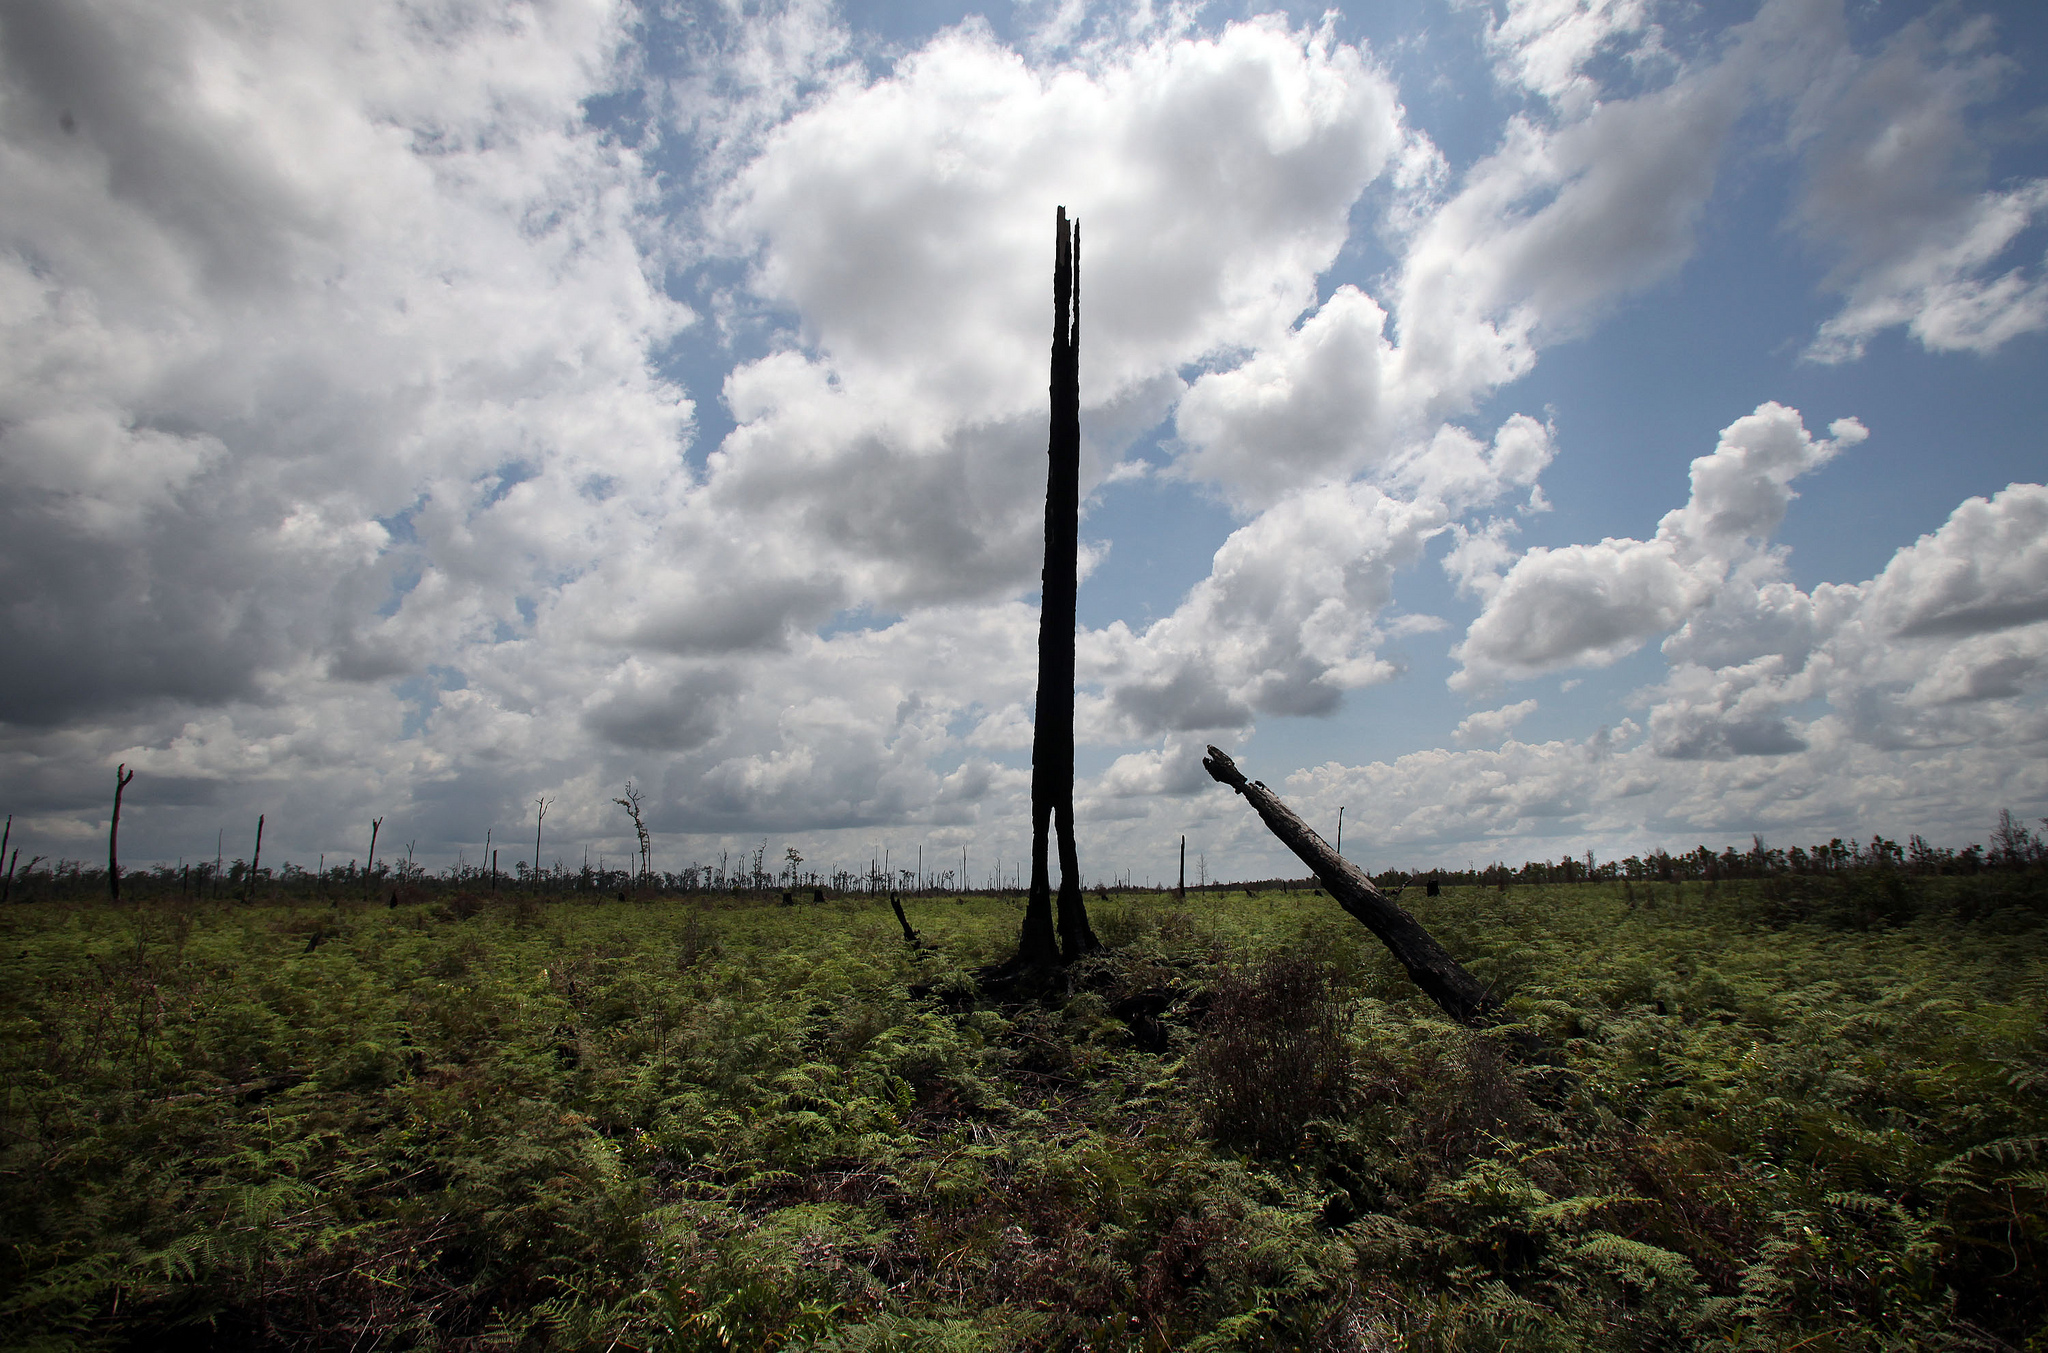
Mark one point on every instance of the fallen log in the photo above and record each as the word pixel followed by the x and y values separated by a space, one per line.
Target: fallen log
pixel 1461 995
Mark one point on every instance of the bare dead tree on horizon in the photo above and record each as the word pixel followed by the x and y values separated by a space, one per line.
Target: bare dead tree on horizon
pixel 255 861
pixel 123 777
pixel 631 803
pixel 541 806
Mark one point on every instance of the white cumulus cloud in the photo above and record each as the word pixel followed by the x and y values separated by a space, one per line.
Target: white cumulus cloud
pixel 1592 604
pixel 1895 190
pixel 1488 727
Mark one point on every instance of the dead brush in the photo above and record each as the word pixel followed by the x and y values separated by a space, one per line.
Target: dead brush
pixel 696 942
pixel 460 907
pixel 1464 1096
pixel 1273 1055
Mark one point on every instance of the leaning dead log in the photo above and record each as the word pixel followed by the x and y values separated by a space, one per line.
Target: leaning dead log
pixel 1461 995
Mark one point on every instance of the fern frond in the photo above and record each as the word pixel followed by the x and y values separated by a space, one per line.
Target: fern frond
pixel 1636 1260
pixel 2005 1151
pixel 1570 1211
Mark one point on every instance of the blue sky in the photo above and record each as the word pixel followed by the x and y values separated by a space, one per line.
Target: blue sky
pixel 1536 426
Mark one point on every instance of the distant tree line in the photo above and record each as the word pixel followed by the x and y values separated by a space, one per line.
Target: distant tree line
pixel 2013 845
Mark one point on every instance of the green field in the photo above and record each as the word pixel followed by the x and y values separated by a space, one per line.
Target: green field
pixel 1790 1114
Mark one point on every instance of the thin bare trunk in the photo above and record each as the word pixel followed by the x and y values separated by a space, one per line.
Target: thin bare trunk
pixel 122 777
pixel 255 861
pixel 540 815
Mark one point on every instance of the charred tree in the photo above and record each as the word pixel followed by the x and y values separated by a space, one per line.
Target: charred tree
pixel 631 803
pixel 122 777
pixel 1055 934
pixel 541 806
pixel 1461 995
pixel 255 862
pixel 910 937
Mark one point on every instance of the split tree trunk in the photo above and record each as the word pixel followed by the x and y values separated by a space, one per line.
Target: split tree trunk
pixel 1461 995
pixel 1052 737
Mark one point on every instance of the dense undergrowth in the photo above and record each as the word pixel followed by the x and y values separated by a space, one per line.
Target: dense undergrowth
pixel 1790 1114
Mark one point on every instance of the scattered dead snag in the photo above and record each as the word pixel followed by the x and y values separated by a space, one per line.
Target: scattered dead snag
pixel 910 937
pixel 122 777
pixel 541 806
pixel 631 803
pixel 1041 943
pixel 255 862
pixel 1461 995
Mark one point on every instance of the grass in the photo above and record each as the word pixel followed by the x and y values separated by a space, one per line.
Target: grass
pixel 1777 1115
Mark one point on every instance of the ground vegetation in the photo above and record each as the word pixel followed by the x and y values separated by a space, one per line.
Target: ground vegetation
pixel 1804 1111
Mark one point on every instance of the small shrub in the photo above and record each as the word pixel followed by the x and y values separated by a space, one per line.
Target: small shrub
pixel 695 942
pixel 1273 1055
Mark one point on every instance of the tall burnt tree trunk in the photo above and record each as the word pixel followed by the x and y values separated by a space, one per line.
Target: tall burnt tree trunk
pixel 1043 940
pixel 255 861
pixel 1460 995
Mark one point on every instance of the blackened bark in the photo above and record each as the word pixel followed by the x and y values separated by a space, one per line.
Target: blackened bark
pixel 1076 936
pixel 909 936
pixel 1429 965
pixel 255 861
pixel 122 777
pixel 1052 739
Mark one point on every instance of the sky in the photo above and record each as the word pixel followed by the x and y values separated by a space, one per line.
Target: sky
pixel 1531 427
